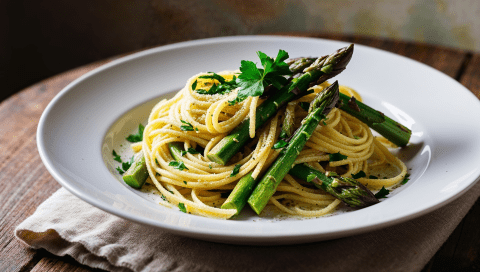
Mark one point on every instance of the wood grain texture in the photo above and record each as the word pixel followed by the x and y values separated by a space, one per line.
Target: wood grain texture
pixel 26 183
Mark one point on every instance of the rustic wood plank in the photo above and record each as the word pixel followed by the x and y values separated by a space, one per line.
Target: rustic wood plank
pixel 461 251
pixel 26 182
pixel 471 77
pixel 52 263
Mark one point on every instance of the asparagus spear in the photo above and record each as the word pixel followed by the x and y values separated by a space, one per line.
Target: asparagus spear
pixel 176 150
pixel 388 128
pixel 348 190
pixel 136 175
pixel 319 108
pixel 238 197
pixel 322 69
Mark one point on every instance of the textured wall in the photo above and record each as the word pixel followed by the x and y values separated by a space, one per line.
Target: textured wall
pixel 42 38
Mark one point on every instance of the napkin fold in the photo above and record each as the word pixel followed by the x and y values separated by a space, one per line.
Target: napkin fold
pixel 66 225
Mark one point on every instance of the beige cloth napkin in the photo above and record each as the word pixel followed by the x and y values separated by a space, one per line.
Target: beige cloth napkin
pixel 66 225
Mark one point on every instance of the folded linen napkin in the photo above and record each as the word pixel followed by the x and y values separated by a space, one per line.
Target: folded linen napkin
pixel 66 225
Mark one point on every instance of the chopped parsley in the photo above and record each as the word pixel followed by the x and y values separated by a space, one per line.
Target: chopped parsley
pixel 223 88
pixel 120 171
pixel 125 165
pixel 187 126
pixel 279 144
pixel 337 157
pixel 406 179
pixel 133 138
pixel 358 175
pixel 116 156
pixel 182 208
pixel 236 169
pixel 382 193
pixel 178 165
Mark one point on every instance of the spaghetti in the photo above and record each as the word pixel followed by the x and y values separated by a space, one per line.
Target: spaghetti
pixel 200 121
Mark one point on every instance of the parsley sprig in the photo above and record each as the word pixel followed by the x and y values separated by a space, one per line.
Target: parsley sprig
pixel 252 81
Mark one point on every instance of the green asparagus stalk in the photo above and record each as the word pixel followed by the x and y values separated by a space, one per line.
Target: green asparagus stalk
pixel 348 190
pixel 176 151
pixel 319 71
pixel 136 175
pixel 385 126
pixel 319 108
pixel 238 197
pixel 297 65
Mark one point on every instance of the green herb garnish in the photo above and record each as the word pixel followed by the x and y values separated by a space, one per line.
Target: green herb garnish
pixel 406 179
pixel 236 169
pixel 178 165
pixel 134 138
pixel 120 171
pixel 223 88
pixel 382 193
pixel 126 165
pixel 116 156
pixel 358 175
pixel 187 126
pixel 337 157
pixel 253 81
pixel 182 208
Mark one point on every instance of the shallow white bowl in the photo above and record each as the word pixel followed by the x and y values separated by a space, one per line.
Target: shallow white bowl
pixel 93 114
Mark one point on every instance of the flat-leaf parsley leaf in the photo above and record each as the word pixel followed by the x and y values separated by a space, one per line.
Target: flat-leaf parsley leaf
pixel 178 165
pixel 253 81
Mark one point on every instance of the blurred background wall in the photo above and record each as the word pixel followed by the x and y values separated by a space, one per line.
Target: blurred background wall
pixel 39 39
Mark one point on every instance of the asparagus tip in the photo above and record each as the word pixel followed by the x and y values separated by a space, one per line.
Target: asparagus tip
pixel 352 192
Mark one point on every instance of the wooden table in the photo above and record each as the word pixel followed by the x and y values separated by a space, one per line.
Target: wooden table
pixel 26 182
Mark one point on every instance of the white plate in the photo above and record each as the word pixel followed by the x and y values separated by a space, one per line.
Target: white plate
pixel 92 115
